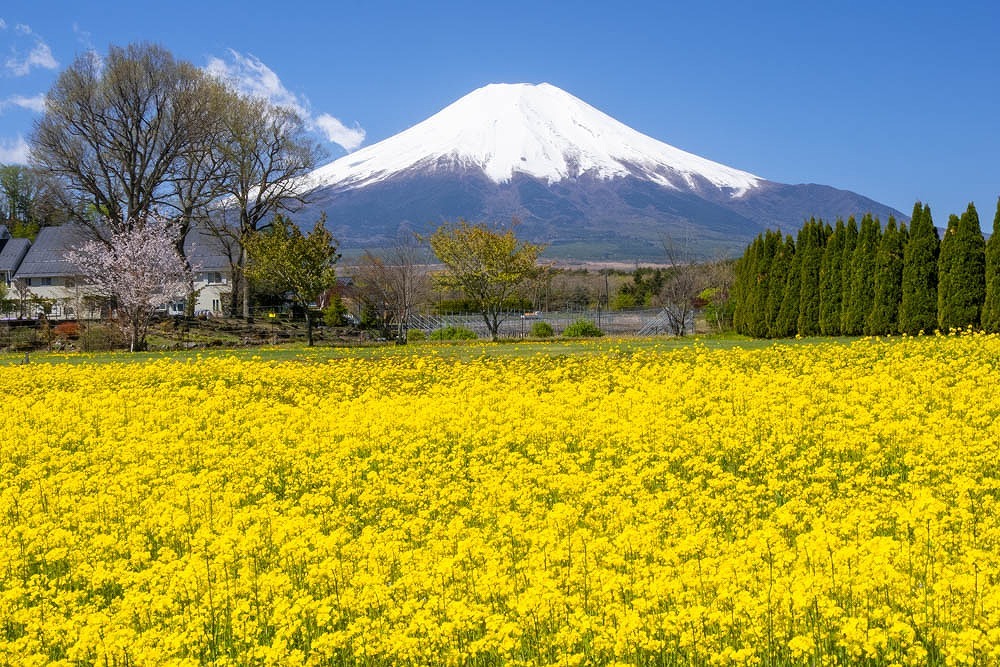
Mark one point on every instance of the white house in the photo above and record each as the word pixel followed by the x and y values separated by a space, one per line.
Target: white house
pixel 44 279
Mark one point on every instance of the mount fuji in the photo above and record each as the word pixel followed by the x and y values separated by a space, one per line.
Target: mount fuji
pixel 580 181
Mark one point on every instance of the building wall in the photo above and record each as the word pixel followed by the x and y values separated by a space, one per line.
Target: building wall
pixel 65 298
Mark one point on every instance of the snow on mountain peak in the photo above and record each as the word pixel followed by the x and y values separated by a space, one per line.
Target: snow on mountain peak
pixel 536 130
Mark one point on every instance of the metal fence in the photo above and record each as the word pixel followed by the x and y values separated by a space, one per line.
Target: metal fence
pixel 646 322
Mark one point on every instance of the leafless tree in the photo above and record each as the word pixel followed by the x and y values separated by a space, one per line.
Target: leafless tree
pixel 395 281
pixel 266 154
pixel 684 283
pixel 118 133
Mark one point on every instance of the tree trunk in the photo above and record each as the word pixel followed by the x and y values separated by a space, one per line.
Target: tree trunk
pixel 246 299
pixel 309 328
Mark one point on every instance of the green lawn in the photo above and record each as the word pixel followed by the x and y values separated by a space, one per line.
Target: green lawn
pixel 463 351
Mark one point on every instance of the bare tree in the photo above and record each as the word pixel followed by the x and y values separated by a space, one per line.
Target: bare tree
pixel 684 281
pixel 267 153
pixel 138 268
pixel 116 133
pixel 395 281
pixel 719 276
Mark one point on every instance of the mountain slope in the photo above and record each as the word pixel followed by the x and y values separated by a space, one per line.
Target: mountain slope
pixel 586 184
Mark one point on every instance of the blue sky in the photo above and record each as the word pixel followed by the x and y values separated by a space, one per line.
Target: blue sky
pixel 896 100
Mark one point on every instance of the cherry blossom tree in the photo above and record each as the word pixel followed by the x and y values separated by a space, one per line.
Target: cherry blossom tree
pixel 138 270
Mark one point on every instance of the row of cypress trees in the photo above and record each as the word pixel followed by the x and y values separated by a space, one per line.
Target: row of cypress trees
pixel 869 279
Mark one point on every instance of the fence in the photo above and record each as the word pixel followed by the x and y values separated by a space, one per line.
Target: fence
pixel 645 322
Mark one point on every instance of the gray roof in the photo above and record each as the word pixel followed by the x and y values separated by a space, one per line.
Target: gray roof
pixel 205 251
pixel 13 253
pixel 46 256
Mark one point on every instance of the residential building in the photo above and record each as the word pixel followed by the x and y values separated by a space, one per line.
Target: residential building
pixel 42 280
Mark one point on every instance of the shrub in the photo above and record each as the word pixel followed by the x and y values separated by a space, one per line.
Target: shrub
pixel 100 338
pixel 415 335
pixel 22 338
pixel 542 330
pixel 334 314
pixel 67 330
pixel 453 333
pixel 582 329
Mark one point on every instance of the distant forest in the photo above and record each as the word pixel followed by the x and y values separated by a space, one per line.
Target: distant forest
pixel 870 279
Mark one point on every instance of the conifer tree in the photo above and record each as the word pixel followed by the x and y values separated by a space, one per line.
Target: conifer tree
pixel 770 248
pixel 861 294
pixel 991 304
pixel 884 316
pixel 831 292
pixel 742 284
pixel 812 239
pixel 945 260
pixel 750 289
pixel 919 304
pixel 962 272
pixel 788 316
pixel 847 267
pixel 780 267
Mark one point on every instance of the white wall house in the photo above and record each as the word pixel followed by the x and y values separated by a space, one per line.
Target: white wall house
pixel 44 281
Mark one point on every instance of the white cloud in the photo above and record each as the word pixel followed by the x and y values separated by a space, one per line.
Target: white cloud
pixel 3 24
pixel 13 151
pixel 348 137
pixel 253 77
pixel 39 56
pixel 35 103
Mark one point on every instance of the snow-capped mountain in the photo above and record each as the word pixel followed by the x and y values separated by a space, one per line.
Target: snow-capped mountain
pixel 539 131
pixel 579 180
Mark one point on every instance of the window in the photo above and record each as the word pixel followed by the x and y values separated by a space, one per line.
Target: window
pixel 40 282
pixel 211 277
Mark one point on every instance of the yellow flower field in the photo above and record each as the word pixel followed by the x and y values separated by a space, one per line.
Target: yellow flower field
pixel 794 505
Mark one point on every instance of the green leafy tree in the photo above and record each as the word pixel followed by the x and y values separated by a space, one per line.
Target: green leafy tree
pixel 919 302
pixel 991 304
pixel 861 295
pixel 646 283
pixel 286 260
pixel 962 272
pixel 884 316
pixel 831 291
pixel 488 265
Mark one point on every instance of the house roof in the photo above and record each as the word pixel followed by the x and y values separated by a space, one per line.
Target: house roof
pixel 12 254
pixel 47 255
pixel 205 251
